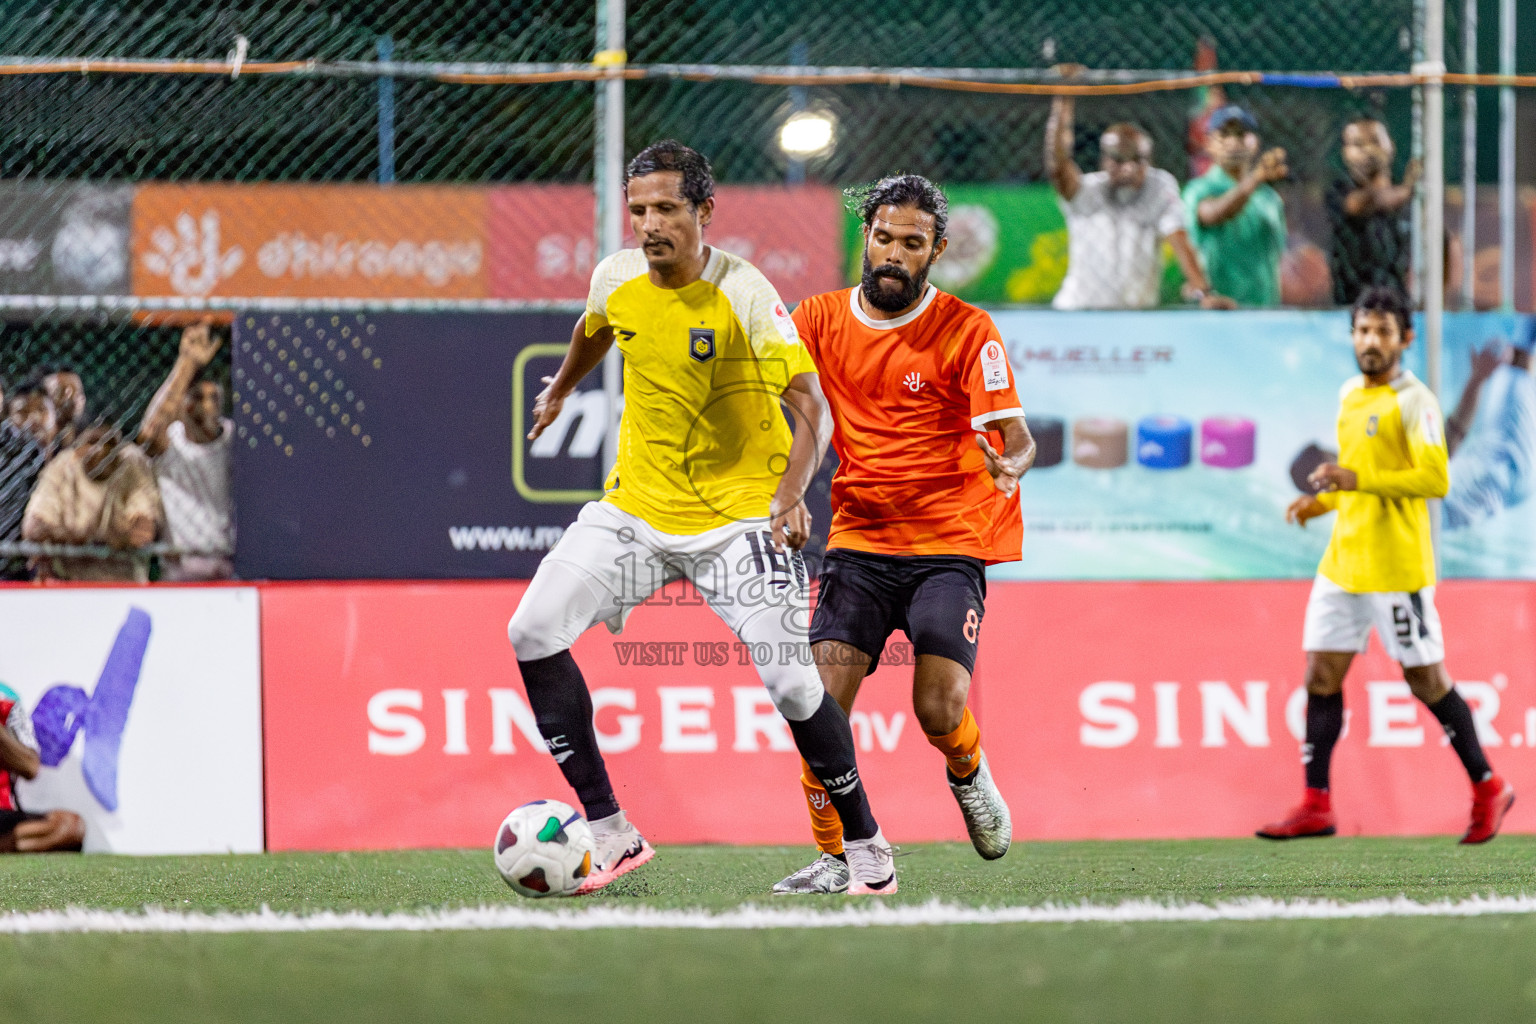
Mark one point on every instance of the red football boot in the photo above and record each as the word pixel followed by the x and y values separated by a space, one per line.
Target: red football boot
pixel 1491 800
pixel 1314 817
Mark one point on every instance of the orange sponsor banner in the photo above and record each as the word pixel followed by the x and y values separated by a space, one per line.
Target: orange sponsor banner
pixel 310 241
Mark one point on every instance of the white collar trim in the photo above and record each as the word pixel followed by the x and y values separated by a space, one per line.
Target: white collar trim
pixel 890 325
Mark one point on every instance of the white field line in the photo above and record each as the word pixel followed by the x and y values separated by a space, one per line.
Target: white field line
pixel 749 917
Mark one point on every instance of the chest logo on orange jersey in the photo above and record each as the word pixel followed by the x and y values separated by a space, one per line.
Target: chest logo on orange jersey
pixel 913 381
pixel 701 343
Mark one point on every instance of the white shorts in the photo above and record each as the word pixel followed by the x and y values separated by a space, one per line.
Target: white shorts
pixel 1407 623
pixel 609 562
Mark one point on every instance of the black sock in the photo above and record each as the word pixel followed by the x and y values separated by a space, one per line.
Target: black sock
pixel 826 743
pixel 1325 720
pixel 1456 718
pixel 563 708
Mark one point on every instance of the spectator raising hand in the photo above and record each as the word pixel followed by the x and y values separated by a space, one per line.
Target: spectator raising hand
pixel 185 432
pixel 1235 217
pixel 1117 218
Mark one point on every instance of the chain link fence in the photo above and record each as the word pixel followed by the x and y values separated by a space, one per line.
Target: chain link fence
pixel 394 167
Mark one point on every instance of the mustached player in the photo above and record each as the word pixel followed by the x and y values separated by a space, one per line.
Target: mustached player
pixel 707 487
pixel 932 442
pixel 1379 569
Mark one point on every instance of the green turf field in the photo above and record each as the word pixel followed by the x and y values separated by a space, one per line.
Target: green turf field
pixel 1398 969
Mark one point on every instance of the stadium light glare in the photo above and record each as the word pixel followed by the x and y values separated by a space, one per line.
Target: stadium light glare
pixel 807 133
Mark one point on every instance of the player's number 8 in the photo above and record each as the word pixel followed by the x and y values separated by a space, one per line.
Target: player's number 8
pixel 972 625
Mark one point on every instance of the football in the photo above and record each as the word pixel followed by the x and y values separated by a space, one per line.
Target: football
pixel 544 848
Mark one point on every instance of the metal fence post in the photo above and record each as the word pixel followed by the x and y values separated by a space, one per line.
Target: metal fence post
pixel 608 180
pixel 1507 157
pixel 1433 280
pixel 1469 158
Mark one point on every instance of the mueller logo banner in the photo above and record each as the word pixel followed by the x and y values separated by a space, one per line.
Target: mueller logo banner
pixel 348 241
pixel 394 445
pixel 145 705
pixel 409 697
pixel 541 237
pixel 1108 711
pixel 63 238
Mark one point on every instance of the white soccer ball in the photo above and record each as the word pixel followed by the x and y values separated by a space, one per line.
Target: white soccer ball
pixel 544 848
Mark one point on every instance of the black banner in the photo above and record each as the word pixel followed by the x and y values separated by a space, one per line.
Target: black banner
pixel 64 238
pixel 391 445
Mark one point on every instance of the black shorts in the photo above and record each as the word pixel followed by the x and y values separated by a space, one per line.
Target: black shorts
pixel 936 600
pixel 10 819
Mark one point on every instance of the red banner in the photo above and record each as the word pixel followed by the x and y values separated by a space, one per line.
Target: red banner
pixel 541 238
pixel 395 717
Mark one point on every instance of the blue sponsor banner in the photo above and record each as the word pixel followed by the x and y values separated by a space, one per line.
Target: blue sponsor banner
pixel 1172 442
pixel 391 445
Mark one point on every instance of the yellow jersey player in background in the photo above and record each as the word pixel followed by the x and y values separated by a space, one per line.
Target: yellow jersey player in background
pixel 1379 569
pixel 707 487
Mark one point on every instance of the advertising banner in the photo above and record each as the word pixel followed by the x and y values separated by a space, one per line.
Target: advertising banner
pixel 349 241
pixel 63 238
pixel 1137 710
pixel 1108 710
pixel 541 237
pixel 146 705
pixel 395 717
pixel 394 445
pixel 1170 445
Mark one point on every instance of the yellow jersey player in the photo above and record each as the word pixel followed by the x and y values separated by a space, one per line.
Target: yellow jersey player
pixel 707 487
pixel 1379 569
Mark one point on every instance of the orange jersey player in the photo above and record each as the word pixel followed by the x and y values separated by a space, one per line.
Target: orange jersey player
pixel 932 442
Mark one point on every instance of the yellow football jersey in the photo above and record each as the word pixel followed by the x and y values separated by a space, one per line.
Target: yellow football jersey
pixel 1391 436
pixel 702 440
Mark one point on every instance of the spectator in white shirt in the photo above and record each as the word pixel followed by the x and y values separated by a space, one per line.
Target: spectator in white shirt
pixel 187 435
pixel 1118 218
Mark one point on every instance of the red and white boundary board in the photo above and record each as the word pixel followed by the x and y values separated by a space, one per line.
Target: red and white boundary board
pixel 395 717
pixel 147 705
pixel 1152 710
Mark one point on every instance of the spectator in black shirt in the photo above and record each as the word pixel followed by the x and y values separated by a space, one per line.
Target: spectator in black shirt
pixel 26 432
pixel 1369 214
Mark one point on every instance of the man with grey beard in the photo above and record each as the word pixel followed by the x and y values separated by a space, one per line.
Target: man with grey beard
pixel 1118 218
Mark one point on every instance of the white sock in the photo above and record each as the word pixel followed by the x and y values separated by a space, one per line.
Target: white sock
pixel 615 822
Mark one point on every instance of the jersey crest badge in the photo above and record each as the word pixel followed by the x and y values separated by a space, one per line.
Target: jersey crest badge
pixel 994 367
pixel 701 343
pixel 913 381
pixel 1370 427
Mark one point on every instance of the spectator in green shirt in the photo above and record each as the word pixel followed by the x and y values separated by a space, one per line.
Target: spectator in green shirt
pixel 1236 220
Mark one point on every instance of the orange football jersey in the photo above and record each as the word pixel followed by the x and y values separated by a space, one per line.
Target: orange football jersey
pixel 908 397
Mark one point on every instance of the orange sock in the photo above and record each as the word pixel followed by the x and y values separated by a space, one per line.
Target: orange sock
pixel 961 748
pixel 825 824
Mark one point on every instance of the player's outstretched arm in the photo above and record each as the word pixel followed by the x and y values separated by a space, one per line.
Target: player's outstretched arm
pixel 1017 456
pixel 789 522
pixel 1304 508
pixel 586 351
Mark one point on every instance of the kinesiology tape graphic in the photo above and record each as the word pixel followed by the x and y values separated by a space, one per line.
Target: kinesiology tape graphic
pixel 1162 442
pixel 1099 443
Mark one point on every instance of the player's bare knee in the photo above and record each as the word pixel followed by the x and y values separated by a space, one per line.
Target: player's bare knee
pixel 1429 683
pixel 1326 671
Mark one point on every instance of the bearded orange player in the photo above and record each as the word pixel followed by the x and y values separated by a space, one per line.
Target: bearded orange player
pixel 932 443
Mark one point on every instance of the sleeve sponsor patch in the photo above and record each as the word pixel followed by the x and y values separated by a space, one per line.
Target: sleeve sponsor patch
pixel 786 325
pixel 994 367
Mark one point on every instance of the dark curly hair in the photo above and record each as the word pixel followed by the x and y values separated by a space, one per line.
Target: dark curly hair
pixel 1383 299
pixel 671 155
pixel 901 190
